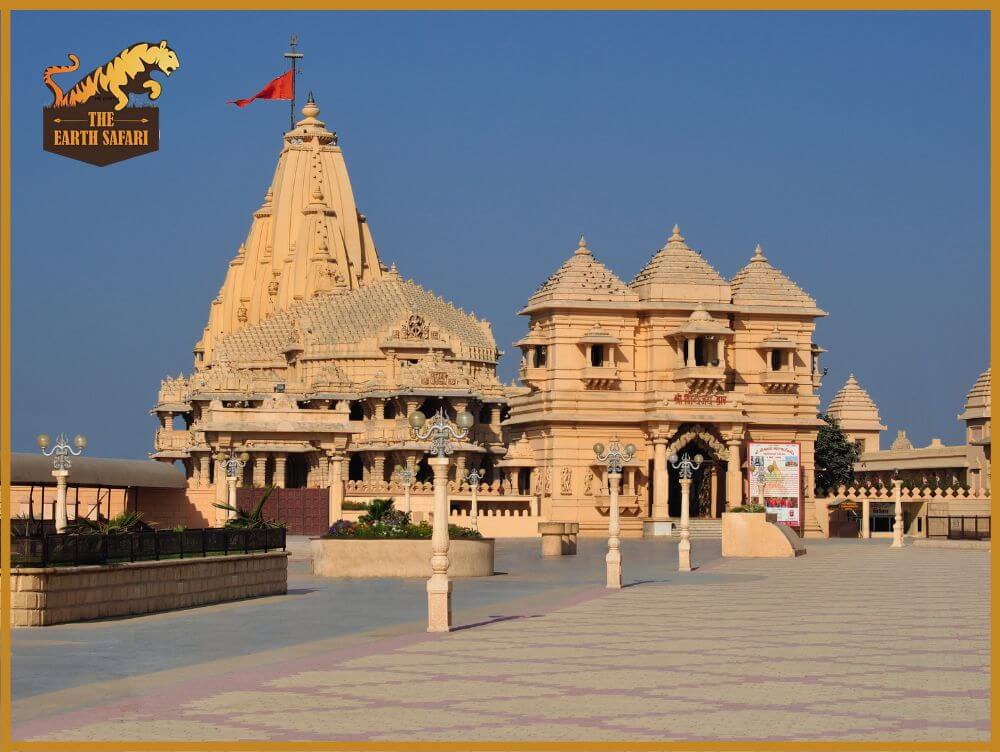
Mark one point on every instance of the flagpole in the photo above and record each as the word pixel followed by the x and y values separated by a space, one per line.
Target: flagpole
pixel 293 56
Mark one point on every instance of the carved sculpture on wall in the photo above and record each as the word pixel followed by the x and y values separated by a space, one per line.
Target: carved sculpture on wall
pixel 566 481
pixel 588 483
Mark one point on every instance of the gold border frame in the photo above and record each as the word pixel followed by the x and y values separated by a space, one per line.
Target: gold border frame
pixel 7 6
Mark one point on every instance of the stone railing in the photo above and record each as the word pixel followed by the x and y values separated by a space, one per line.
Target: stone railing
pixel 398 432
pixel 167 440
pixel 369 487
pixel 887 493
pixel 930 500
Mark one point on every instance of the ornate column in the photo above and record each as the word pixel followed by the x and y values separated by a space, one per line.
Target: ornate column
pixel 684 547
pixel 193 471
pixel 378 468
pixel 714 480
pixel 690 351
pixel 439 586
pixel 204 473
pixel 280 460
pixel 379 405
pixel 460 460
pixel 660 508
pixel 259 469
pixel 897 527
pixel 336 489
pixel 613 559
pixel 734 477
pixel 61 515
pixel 866 519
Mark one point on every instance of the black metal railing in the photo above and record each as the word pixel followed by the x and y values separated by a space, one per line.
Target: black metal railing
pixel 959 527
pixel 71 549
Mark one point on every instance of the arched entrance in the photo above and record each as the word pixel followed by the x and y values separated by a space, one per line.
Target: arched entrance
pixel 708 483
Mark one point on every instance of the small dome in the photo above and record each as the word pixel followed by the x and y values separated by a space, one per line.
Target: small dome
pixel 854 409
pixel 977 402
pixel 582 278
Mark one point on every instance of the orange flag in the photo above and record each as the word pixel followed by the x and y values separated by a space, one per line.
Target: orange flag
pixel 282 87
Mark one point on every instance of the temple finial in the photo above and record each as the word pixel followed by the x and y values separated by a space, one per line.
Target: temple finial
pixel 581 248
pixel 758 253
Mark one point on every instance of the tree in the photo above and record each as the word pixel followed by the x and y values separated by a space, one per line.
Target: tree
pixel 835 455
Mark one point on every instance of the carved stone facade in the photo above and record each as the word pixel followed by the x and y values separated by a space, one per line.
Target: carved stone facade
pixel 315 353
pixel 937 466
pixel 679 359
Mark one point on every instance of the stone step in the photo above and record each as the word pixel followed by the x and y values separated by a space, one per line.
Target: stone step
pixel 699 528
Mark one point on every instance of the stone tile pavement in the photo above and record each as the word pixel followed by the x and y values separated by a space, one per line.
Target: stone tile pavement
pixel 852 641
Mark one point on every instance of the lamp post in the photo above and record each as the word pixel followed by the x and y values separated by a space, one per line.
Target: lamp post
pixel 61 464
pixel 475 477
pixel 614 458
pixel 408 477
pixel 685 469
pixel 440 432
pixel 897 528
pixel 232 464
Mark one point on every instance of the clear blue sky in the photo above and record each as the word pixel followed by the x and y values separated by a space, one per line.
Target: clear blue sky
pixel 852 146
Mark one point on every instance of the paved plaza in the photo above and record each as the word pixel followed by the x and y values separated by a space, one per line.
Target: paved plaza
pixel 852 641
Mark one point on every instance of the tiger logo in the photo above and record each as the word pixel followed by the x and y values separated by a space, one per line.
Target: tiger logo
pixel 130 72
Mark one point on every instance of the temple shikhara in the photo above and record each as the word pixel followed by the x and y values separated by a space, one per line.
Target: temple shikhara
pixel 315 354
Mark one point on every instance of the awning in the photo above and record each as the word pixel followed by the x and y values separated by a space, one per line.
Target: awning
pixel 34 469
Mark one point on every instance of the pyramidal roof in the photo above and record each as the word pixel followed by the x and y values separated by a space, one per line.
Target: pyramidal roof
pixel 977 402
pixel 582 278
pixel 854 409
pixel 759 283
pixel 352 317
pixel 678 272
pixel 307 237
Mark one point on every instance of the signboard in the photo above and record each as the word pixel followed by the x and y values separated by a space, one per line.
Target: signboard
pixel 776 475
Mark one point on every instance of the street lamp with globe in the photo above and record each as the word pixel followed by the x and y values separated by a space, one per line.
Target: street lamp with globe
pixel 61 463
pixel 685 469
pixel 615 458
pixel 440 432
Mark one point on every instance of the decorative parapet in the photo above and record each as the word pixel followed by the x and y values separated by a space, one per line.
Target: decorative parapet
pixel 167 440
pixel 173 389
pixel 887 493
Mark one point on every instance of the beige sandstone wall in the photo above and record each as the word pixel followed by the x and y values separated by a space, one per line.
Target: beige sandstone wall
pixel 55 595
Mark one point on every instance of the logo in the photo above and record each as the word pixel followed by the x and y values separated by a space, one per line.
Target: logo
pixel 93 121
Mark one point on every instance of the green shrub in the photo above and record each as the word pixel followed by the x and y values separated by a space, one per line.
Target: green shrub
pixel 748 508
pixel 253 519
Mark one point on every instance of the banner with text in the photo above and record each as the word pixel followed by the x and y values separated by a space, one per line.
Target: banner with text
pixel 776 475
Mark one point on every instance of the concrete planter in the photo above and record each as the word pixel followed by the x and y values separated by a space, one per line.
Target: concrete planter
pixel 55 595
pixel 362 557
pixel 752 534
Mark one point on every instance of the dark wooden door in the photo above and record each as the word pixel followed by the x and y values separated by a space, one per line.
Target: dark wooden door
pixel 304 511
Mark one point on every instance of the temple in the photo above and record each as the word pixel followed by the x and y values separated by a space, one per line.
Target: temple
pixel 315 353
pixel 935 466
pixel 678 360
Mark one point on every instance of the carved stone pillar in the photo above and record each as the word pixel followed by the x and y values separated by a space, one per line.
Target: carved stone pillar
pixel 336 486
pixel 460 460
pixel 690 352
pixel 378 468
pixel 204 470
pixel 379 405
pixel 734 476
pixel 280 462
pixel 259 469
pixel 660 481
